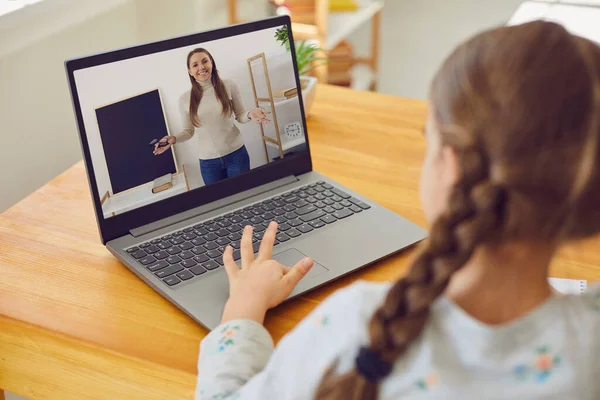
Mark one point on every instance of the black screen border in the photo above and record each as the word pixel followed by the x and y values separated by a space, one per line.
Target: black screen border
pixel 120 225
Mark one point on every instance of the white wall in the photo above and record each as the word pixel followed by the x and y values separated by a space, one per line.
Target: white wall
pixel 167 71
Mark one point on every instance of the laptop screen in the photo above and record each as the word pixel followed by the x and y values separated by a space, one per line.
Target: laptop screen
pixel 170 122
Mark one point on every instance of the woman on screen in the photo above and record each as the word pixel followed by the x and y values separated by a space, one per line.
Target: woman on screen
pixel 208 110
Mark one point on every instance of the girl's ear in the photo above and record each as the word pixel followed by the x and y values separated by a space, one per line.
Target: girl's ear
pixel 450 166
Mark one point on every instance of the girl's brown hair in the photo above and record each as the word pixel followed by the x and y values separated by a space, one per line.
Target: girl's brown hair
pixel 197 91
pixel 520 106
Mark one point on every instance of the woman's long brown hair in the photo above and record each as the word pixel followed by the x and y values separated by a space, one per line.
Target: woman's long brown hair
pixel 197 91
pixel 520 106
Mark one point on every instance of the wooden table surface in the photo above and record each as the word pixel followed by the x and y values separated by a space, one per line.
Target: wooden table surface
pixel 76 324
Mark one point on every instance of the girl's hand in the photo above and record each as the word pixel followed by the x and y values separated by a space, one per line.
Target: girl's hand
pixel 259 116
pixel 170 140
pixel 261 283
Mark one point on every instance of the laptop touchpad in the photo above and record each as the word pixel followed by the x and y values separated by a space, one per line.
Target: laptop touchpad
pixel 290 257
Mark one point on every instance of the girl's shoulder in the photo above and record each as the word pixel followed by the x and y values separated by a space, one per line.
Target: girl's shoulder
pixel 185 97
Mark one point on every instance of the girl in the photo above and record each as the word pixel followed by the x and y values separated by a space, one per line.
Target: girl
pixel 511 172
pixel 207 110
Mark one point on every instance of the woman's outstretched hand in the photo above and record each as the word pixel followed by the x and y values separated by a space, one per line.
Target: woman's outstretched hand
pixel 259 115
pixel 261 283
pixel 169 140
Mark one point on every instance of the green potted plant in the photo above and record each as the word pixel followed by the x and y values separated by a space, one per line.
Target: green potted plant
pixel 281 35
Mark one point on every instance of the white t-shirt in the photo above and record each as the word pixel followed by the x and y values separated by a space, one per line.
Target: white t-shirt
pixel 551 353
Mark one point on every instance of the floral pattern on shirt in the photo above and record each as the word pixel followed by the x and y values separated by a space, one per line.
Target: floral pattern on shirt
pixel 321 320
pixel 428 382
pixel 596 301
pixel 228 333
pixel 541 368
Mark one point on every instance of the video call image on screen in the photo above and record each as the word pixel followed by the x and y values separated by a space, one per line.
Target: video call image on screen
pixel 167 123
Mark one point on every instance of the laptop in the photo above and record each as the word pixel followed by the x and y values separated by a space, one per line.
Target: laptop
pixel 169 216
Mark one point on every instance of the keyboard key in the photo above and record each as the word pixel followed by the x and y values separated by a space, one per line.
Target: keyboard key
pixel 165 245
pixel 188 229
pixel 279 212
pixel 189 236
pixel 337 206
pixel 199 250
pixel 186 246
pixel 224 241
pixel 319 189
pixel 139 254
pixel 238 212
pixel 329 209
pixel 342 213
pixel 211 245
pixel 328 193
pixel 235 245
pixel 234 228
pixel 157 266
pixel 282 237
pixel 214 253
pixel 311 192
pixel 198 226
pixel 284 227
pixel 202 258
pixel 201 231
pixel 293 233
pixel 289 207
pixel 295 222
pixel 291 215
pixel 256 246
pixel 210 236
pixel 317 224
pixel 306 209
pixel 189 263
pixel 328 219
pixel 222 232
pixel 174 250
pixel 311 199
pixel 288 194
pixel 327 186
pixel 197 270
pixel 219 219
pixel 267 216
pixel 210 265
pixel 247 215
pixel 305 228
pixel 328 202
pixel 132 250
pixel 178 233
pixel 156 241
pixel 320 204
pixel 279 203
pixel 198 241
pixel 260 228
pixel 355 209
pixel 359 203
pixel 185 275
pixel 161 255
pixel 224 223
pixel 292 199
pixel 174 260
pixel 340 193
pixel 280 219
pixel 186 254
pixel 213 227
pixel 234 236
pixel 336 198
pixel 256 220
pixel 269 207
pixel 301 203
pixel 302 195
pixel 237 255
pixel 147 260
pixel 177 240
pixel 151 249
pixel 268 201
pixel 172 280
pixel 312 215
pixel 173 269
pixel 345 203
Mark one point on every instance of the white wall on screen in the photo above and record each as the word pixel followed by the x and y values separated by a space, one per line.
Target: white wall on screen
pixel 167 71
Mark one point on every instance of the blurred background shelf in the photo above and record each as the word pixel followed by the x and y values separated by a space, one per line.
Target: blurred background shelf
pixel 329 23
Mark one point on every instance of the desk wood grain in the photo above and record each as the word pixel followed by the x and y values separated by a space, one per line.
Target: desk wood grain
pixel 76 324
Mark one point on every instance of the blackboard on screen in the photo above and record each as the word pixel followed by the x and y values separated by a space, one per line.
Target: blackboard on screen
pixel 127 127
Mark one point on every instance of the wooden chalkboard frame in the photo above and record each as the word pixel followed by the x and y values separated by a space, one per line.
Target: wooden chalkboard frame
pixel 162 106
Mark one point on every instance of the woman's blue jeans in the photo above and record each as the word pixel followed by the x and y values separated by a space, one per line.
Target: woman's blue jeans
pixel 232 164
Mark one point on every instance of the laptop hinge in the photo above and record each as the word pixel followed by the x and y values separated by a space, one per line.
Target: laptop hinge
pixel 194 212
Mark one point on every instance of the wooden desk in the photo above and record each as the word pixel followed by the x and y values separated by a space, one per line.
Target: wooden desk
pixel 75 323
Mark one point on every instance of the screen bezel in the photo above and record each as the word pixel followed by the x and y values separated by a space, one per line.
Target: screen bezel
pixel 120 225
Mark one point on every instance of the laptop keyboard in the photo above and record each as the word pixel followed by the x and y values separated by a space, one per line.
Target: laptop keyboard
pixel 194 251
